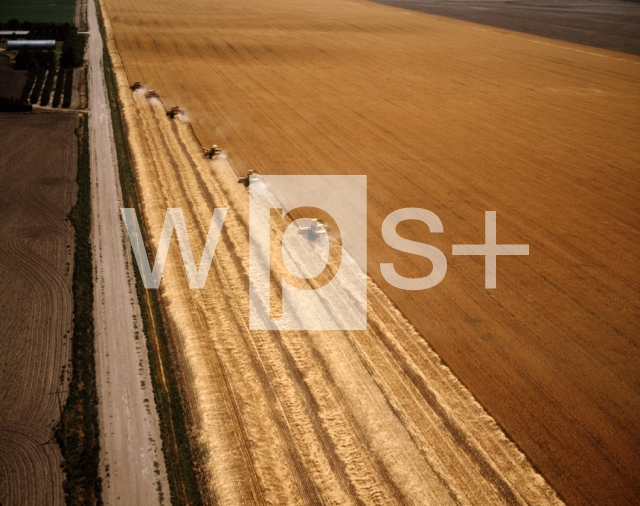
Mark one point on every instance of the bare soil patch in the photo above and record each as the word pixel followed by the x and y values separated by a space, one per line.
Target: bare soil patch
pixel 608 24
pixel 11 81
pixel 37 177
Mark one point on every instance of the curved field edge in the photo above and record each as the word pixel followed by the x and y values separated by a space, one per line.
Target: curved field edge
pixel 176 446
pixel 78 433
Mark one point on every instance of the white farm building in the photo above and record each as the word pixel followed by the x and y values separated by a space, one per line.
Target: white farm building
pixel 32 44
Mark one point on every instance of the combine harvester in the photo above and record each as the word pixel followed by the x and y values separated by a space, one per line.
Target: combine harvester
pixel 315 229
pixel 174 111
pixel 215 150
pixel 251 177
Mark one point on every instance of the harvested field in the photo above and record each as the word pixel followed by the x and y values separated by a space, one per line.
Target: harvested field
pixel 309 417
pixel 607 24
pixel 441 114
pixel 37 177
pixel 11 81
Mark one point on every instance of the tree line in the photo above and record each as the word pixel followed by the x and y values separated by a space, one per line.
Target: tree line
pixel 45 71
pixel 78 432
pixel 38 31
pixel 72 52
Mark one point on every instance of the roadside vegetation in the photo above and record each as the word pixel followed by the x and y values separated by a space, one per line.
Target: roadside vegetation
pixel 78 431
pixel 176 445
pixel 73 49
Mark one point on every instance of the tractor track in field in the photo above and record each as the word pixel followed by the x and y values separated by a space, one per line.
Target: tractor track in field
pixel 284 355
pixel 292 369
pixel 256 362
pixel 304 485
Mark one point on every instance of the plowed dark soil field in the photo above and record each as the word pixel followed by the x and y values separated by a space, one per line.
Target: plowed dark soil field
pixel 11 81
pixel 608 24
pixel 38 189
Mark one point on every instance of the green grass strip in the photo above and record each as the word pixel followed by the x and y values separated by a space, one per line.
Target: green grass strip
pixel 78 432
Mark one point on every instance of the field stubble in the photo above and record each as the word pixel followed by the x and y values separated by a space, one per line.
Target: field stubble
pixel 439 114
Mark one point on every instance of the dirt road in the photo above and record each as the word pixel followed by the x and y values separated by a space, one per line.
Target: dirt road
pixel 458 119
pixel 132 464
